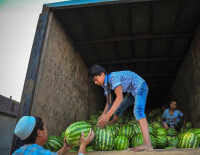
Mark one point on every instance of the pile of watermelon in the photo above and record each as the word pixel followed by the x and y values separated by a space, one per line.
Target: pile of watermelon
pixel 126 133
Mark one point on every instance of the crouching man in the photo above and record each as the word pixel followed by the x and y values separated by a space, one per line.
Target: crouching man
pixel 33 133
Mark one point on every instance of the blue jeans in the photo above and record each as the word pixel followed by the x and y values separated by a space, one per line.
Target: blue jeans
pixel 139 103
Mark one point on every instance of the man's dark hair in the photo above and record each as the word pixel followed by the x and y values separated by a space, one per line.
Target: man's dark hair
pixel 96 70
pixel 38 125
pixel 174 100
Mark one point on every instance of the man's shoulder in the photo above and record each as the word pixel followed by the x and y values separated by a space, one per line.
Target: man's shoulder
pixel 178 111
pixel 123 72
pixel 33 149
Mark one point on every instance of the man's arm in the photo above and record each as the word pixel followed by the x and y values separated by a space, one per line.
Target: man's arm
pixel 105 118
pixel 85 141
pixel 64 149
pixel 185 119
pixel 118 100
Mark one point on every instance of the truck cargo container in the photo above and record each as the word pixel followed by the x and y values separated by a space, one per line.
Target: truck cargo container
pixel 157 39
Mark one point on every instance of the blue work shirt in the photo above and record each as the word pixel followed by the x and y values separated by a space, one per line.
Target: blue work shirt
pixel 172 119
pixel 33 149
pixel 130 81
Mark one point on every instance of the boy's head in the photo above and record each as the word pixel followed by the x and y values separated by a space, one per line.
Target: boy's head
pixel 31 129
pixel 173 104
pixel 97 74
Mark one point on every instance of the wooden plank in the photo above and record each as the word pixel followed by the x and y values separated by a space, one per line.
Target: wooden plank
pixel 136 60
pixel 173 151
pixel 137 37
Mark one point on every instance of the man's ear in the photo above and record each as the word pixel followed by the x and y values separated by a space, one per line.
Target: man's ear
pixel 102 73
pixel 39 132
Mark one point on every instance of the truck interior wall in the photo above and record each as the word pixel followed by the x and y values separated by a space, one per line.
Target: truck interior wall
pixel 186 87
pixel 64 92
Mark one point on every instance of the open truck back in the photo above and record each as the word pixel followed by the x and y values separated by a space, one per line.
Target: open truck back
pixel 157 39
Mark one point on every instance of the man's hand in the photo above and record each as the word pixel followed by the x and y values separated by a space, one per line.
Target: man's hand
pixel 66 146
pixel 103 121
pixel 101 116
pixel 86 140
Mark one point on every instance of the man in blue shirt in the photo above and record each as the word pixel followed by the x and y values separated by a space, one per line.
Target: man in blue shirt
pixel 136 89
pixel 33 133
pixel 171 117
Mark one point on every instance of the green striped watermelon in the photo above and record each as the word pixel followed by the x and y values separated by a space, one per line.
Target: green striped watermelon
pixel 156 125
pixel 153 141
pixel 73 132
pixel 161 132
pixel 62 135
pixel 121 143
pixel 197 132
pixel 136 128
pixel 161 141
pixel 89 148
pixel 188 140
pixel 169 148
pixel 171 132
pixel 74 149
pixel 54 143
pixel 112 128
pixel 152 130
pixel 137 140
pixel 188 125
pixel 126 130
pixel 158 119
pixel 103 140
pixel 173 141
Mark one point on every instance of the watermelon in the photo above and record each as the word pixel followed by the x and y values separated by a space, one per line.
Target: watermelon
pixel 152 130
pixel 173 141
pixel 153 141
pixel 121 143
pixel 103 140
pixel 54 143
pixel 156 125
pixel 136 128
pixel 89 148
pixel 197 132
pixel 62 135
pixel 188 140
pixel 137 140
pixel 161 141
pixel 171 132
pixel 73 132
pixel 169 147
pixel 74 149
pixel 161 132
pixel 188 125
pixel 126 130
pixel 158 119
pixel 112 128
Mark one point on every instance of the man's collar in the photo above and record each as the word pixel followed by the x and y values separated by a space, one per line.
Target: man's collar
pixel 107 77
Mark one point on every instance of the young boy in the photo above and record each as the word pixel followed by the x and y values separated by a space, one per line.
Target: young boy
pixel 33 133
pixel 135 87
pixel 172 117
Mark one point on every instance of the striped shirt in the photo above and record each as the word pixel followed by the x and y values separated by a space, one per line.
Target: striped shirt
pixel 33 149
pixel 130 81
